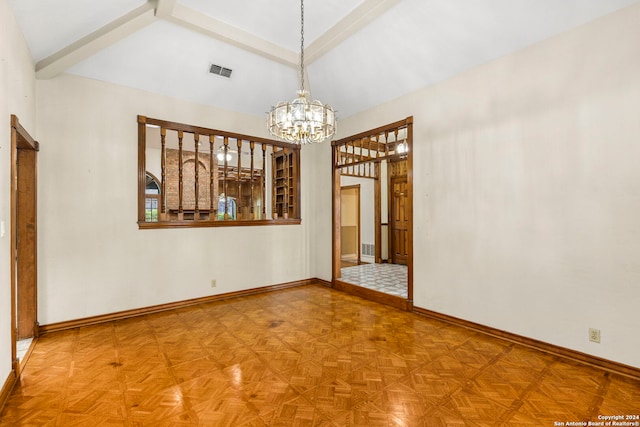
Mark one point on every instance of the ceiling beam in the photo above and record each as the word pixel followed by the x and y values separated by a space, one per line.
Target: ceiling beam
pixel 347 26
pixel 172 11
pixel 220 30
pixel 164 8
pixel 112 32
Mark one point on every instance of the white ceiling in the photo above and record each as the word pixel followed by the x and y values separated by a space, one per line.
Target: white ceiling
pixel 358 53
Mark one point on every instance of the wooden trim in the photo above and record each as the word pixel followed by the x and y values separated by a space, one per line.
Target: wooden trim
pixel 143 225
pixel 20 140
pixel 7 388
pixel 563 352
pixel 142 171
pixel 337 171
pixel 207 131
pixel 389 216
pixel 321 282
pixel 371 295
pixel 381 129
pixel 410 210
pixel 168 222
pixel 126 314
pixel 24 140
pixel 377 219
pixel 335 218
pixel 13 249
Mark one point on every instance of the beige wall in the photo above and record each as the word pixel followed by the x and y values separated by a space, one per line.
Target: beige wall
pixel 527 189
pixel 93 258
pixel 17 96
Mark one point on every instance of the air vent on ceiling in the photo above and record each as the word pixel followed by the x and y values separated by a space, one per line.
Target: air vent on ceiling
pixel 220 71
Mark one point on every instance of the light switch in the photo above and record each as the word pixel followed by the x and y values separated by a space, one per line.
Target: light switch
pixel 2 230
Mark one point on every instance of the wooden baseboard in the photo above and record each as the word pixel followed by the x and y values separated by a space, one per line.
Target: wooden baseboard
pixel 7 388
pixel 565 353
pixel 120 315
pixel 371 295
pixel 322 282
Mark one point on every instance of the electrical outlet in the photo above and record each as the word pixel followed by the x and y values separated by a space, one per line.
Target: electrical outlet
pixel 594 335
pixel 213 283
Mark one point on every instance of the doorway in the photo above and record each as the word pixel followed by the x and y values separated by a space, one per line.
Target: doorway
pixel 24 151
pixel 380 161
pixel 350 234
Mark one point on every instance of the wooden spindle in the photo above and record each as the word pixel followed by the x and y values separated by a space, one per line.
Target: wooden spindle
pixel 395 132
pixel 163 175
pixel 180 176
pixel 252 213
pixel 386 143
pixel 238 180
pixel 285 205
pixel 264 181
pixel 225 183
pixel 376 169
pixel 353 156
pixel 213 207
pixel 196 164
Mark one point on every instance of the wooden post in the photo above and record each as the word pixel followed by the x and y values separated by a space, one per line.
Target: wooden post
pixel 142 172
pixel 213 206
pixel 196 186
pixel 238 180
pixel 163 175
pixel 180 176
pixel 360 158
pixel 264 181
pixel 285 204
pixel 224 179
pixel 252 213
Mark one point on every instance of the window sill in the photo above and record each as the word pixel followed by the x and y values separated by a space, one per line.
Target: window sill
pixel 143 225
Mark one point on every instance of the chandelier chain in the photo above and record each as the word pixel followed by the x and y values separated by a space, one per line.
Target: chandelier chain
pixel 301 44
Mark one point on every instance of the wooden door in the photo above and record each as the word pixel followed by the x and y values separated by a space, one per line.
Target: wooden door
pixel 399 221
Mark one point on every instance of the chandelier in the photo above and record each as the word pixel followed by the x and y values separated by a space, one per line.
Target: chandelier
pixel 302 121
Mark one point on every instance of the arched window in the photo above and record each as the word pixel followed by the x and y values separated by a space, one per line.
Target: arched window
pixel 151 198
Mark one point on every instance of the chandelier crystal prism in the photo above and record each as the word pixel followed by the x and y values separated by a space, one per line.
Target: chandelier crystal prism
pixel 302 121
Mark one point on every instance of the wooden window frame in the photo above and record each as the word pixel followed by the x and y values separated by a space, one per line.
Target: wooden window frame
pixel 292 218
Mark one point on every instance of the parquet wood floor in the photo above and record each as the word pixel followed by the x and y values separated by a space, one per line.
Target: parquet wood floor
pixel 305 356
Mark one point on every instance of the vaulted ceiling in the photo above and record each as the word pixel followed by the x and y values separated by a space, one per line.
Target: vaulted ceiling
pixel 358 53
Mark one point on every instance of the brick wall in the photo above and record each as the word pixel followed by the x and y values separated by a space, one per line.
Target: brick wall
pixel 188 179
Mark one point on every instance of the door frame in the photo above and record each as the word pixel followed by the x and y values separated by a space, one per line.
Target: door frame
pixel 22 140
pixel 341 159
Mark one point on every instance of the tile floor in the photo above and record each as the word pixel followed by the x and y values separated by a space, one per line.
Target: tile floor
pixel 22 346
pixel 388 278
